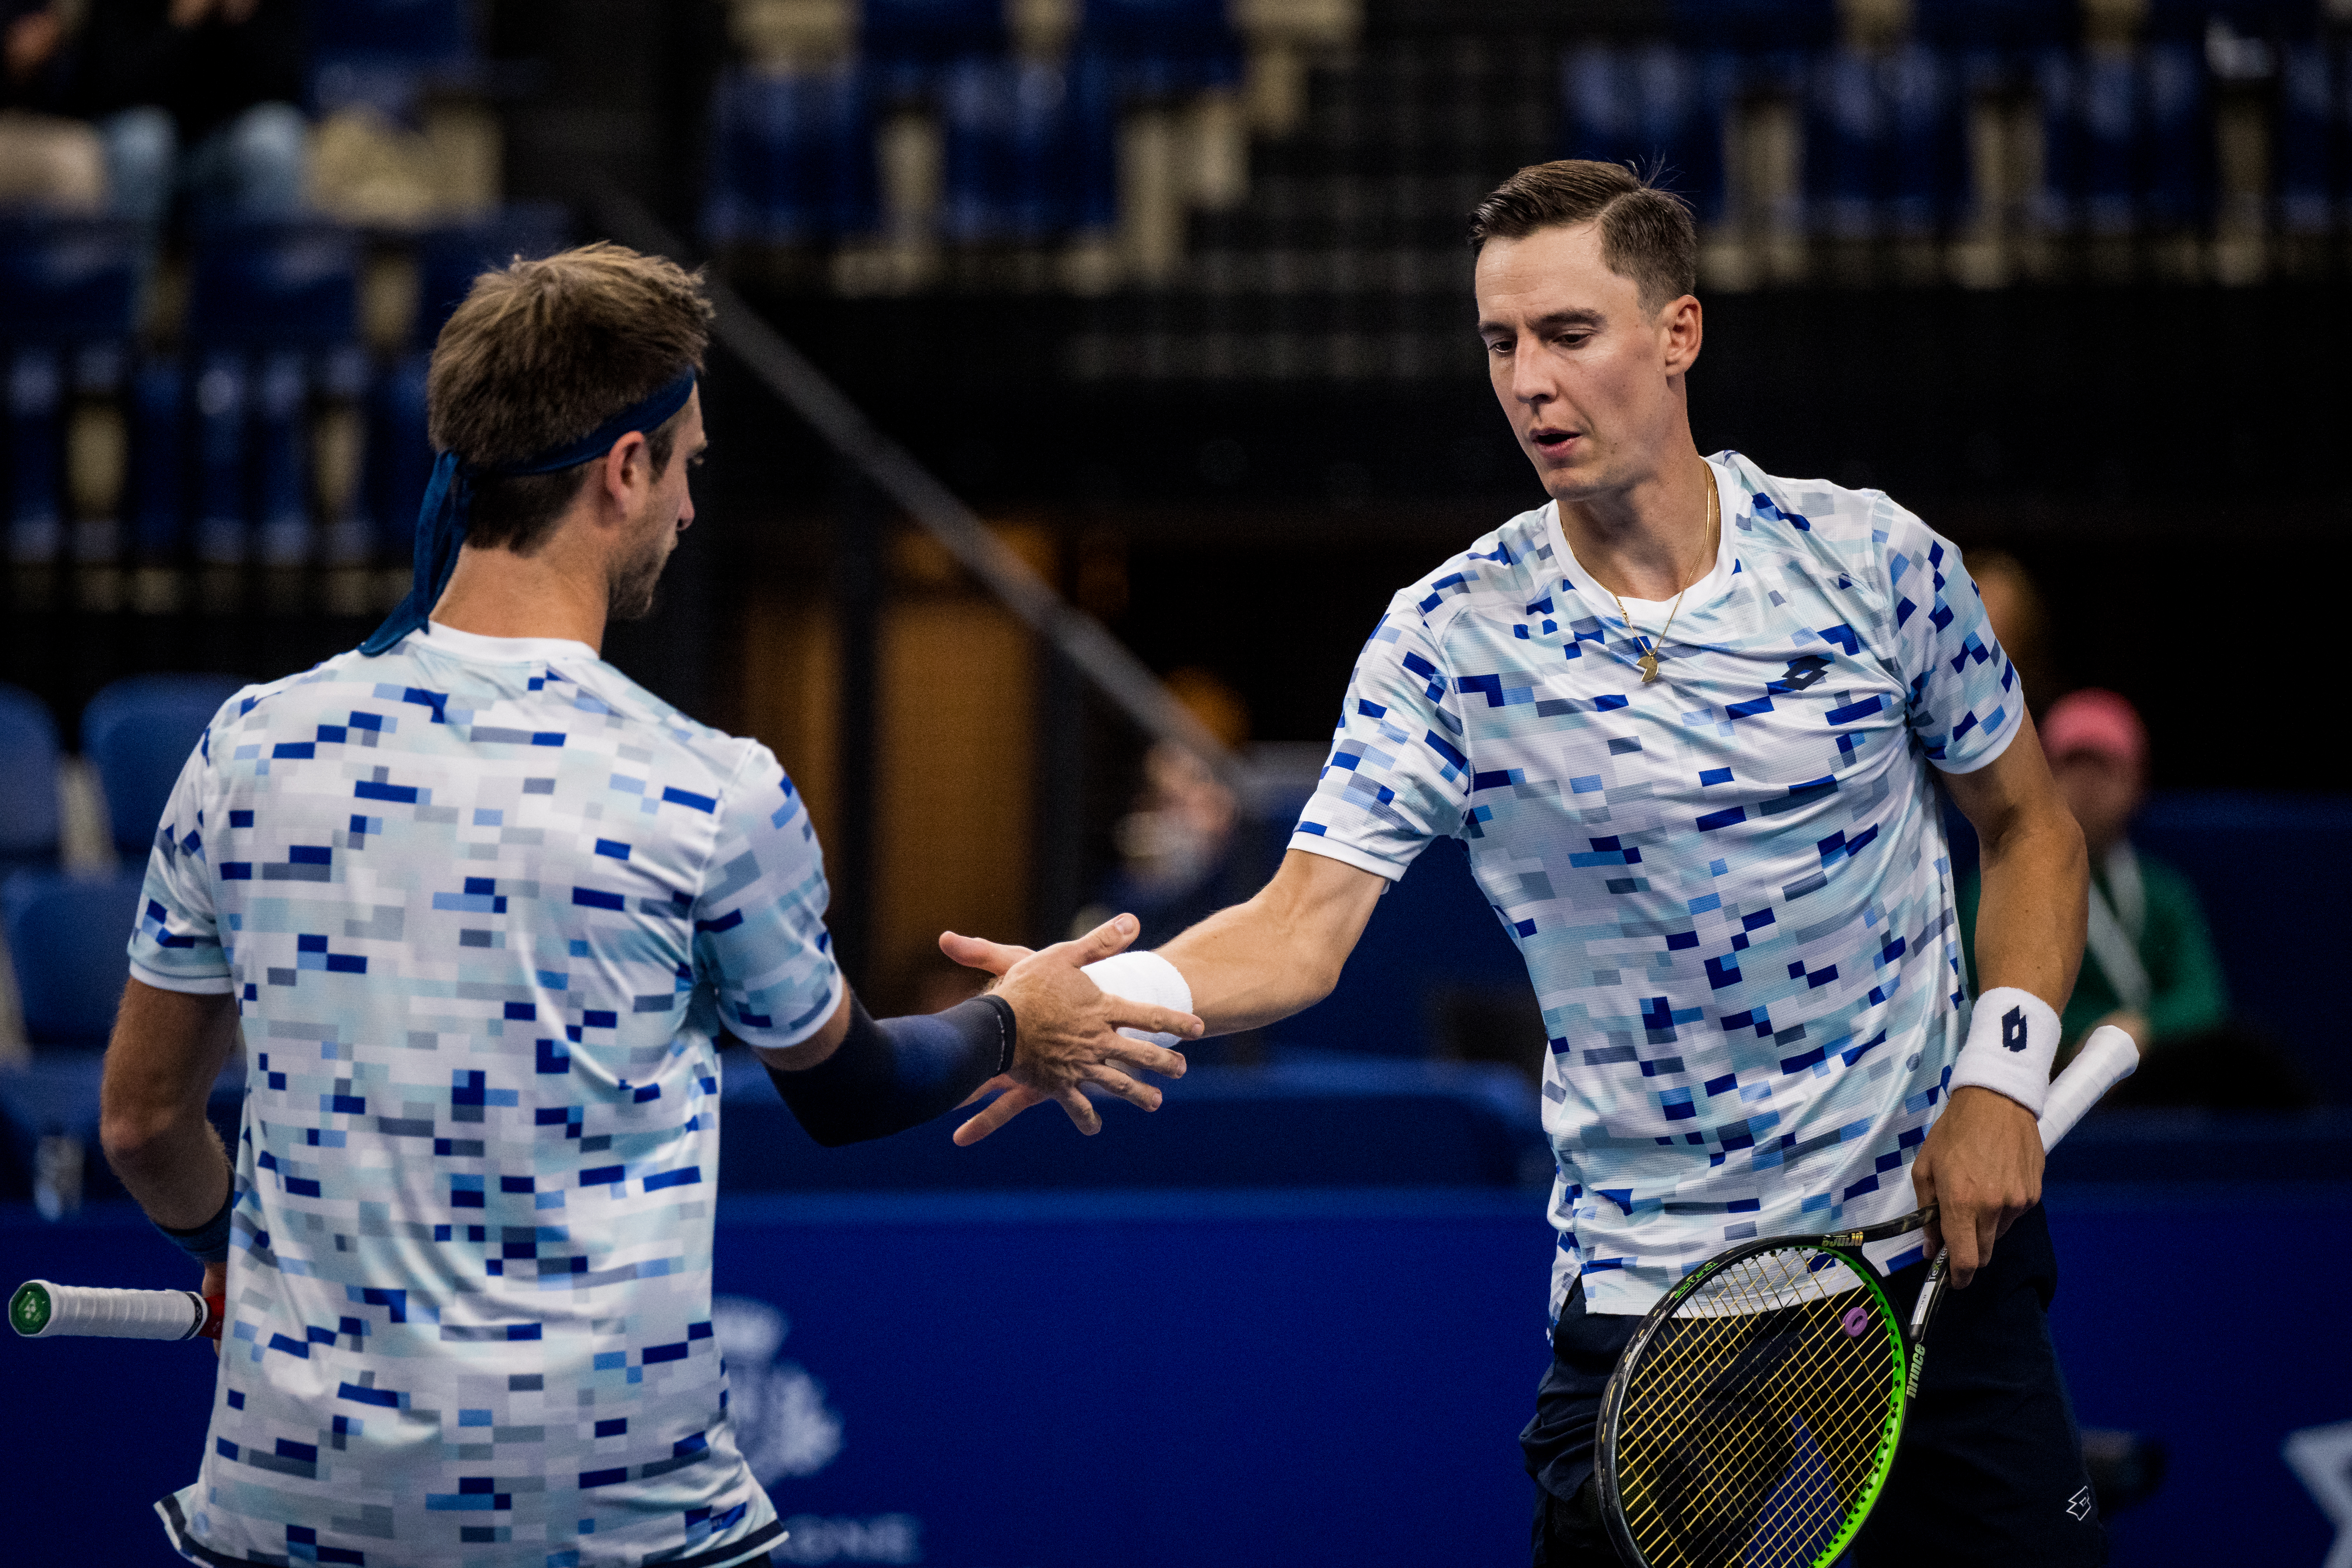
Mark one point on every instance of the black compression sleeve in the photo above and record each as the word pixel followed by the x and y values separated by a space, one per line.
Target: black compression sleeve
pixel 886 1077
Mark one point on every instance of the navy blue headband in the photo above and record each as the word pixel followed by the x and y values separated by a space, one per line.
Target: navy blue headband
pixel 442 521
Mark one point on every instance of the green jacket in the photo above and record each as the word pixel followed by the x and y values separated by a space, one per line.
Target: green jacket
pixel 2188 995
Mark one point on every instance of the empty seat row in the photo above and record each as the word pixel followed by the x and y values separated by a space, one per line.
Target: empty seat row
pixel 1030 144
pixel 2126 137
pixel 1029 152
pixel 272 434
pixel 136 734
pixel 219 461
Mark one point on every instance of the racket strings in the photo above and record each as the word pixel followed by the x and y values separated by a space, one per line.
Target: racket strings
pixel 1764 1456
pixel 1755 1418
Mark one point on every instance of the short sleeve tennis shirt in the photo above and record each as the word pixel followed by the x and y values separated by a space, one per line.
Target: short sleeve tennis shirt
pixel 482 903
pixel 1730 886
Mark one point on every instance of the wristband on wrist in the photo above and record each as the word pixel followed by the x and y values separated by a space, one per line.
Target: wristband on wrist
pixel 1009 1026
pixel 2012 1041
pixel 209 1242
pixel 1143 977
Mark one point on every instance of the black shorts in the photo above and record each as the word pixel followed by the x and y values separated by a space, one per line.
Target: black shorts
pixel 1990 1466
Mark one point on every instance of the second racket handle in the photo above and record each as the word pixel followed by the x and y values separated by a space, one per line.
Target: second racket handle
pixel 2107 1059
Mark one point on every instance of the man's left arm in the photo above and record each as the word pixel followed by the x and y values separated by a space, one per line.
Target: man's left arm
pixel 168 1048
pixel 1981 1165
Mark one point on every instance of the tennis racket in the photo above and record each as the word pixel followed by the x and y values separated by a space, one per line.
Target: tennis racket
pixel 40 1311
pixel 1752 1420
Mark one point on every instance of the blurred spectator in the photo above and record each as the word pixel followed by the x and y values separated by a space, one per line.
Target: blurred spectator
pixel 2013 605
pixel 1177 846
pixel 45 158
pixel 2149 966
pixel 198 97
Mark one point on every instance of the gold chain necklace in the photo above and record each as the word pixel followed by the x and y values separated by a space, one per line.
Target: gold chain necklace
pixel 1649 660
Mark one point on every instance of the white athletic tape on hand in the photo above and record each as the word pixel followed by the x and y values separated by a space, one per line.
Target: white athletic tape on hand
pixel 1143 977
pixel 2013 1040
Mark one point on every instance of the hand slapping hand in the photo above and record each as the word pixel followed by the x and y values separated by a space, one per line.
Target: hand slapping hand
pixel 1067 1030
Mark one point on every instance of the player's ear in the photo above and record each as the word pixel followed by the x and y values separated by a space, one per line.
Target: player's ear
pixel 628 466
pixel 1682 326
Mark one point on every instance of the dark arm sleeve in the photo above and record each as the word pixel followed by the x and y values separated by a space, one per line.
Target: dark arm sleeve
pixel 886 1077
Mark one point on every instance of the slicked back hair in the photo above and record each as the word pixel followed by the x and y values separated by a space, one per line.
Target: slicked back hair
pixel 1646 234
pixel 540 353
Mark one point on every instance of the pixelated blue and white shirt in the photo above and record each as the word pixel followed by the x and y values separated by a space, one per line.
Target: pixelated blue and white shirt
pixel 481 902
pixel 1731 887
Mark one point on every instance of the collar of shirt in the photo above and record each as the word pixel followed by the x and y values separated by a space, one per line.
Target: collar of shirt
pixel 472 646
pixel 1707 589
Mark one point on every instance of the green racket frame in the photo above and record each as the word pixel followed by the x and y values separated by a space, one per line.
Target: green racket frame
pixel 1840 1244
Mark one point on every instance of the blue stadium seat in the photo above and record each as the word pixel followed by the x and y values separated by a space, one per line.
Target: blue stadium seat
pixel 2177 149
pixel 909 45
pixel 399 455
pixel 69 294
pixel 2128 138
pixel 1656 106
pixel 269 307
pixel 36 454
pixel 157 471
pixel 137 733
pixel 793 159
pixel 28 782
pixel 282 454
pixel 67 938
pixel 1159 47
pixel 450 258
pixel 67 281
pixel 1886 142
pixel 2311 137
pixel 224 508
pixel 1011 162
pixel 276 286
pixel 384 53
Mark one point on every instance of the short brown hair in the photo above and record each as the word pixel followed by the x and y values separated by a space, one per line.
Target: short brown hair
pixel 1646 234
pixel 540 353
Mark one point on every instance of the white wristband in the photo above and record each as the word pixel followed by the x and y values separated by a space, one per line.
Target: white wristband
pixel 1143 977
pixel 2013 1040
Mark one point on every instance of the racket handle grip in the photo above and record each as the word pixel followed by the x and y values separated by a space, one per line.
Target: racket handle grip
pixel 2107 1059
pixel 40 1310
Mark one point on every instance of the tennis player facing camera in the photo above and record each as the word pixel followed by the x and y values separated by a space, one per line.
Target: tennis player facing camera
pixel 476 907
pixel 1687 720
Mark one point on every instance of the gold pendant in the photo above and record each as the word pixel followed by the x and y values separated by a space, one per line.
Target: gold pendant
pixel 1649 663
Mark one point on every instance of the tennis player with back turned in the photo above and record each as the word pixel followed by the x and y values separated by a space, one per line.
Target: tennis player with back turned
pixel 475 907
pixel 1687 720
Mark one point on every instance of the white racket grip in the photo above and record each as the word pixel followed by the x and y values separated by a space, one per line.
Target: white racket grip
pixel 2107 1059
pixel 41 1310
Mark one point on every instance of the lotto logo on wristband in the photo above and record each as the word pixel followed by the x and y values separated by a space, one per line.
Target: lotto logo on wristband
pixel 2012 1029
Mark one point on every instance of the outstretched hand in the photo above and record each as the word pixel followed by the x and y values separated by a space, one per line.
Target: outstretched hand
pixel 1067 1030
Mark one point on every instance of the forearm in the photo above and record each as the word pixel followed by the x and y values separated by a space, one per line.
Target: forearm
pixel 1281 953
pixel 2034 908
pixel 885 1076
pixel 1241 971
pixel 167 1050
pixel 180 1174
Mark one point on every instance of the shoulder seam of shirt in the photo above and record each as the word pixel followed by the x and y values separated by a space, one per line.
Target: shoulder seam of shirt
pixel 1439 622
pixel 750 749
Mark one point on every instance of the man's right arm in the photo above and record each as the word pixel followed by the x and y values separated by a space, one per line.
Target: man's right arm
pixel 1280 953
